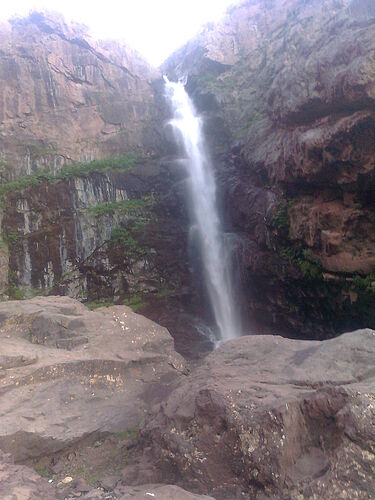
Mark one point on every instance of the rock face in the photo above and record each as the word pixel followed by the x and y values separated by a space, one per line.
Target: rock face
pixel 67 373
pixel 18 481
pixel 164 492
pixel 66 97
pixel 267 417
pixel 92 199
pixel 288 90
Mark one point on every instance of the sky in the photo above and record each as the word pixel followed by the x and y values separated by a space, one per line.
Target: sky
pixel 155 28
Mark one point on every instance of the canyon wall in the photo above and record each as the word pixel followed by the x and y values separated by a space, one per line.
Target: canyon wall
pixel 93 201
pixel 288 91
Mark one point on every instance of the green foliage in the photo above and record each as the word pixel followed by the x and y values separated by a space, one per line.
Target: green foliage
pixel 128 433
pixel 5 169
pixel 364 284
pixel 126 237
pixel 121 163
pixel 35 151
pixel 136 302
pixel 310 266
pixel 3 243
pixel 280 220
pixel 11 238
pixel 123 237
pixel 100 303
pixel 43 471
pixel 135 207
pixel 15 293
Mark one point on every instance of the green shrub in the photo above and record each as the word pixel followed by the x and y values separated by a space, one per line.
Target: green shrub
pixel 100 303
pixel 364 284
pixel 280 220
pixel 11 238
pixel 121 163
pixel 35 151
pixel 135 207
pixel 135 302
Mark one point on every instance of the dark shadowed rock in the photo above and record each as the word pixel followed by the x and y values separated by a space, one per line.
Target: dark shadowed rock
pixel 266 417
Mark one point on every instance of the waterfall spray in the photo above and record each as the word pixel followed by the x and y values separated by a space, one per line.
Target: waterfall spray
pixel 215 252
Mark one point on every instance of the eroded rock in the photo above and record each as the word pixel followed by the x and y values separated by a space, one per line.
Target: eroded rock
pixel 54 394
pixel 266 417
pixel 18 481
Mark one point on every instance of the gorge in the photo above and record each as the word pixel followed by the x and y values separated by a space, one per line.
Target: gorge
pixel 252 212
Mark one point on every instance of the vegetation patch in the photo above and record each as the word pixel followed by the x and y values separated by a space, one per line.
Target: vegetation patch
pixel 36 151
pixel 280 220
pixel 99 303
pixel 121 163
pixel 305 259
pixel 127 238
pixel 128 433
pixel 135 302
pixel 136 207
pixel 12 238
pixel 364 284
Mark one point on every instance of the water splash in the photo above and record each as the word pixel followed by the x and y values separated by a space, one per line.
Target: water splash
pixel 214 248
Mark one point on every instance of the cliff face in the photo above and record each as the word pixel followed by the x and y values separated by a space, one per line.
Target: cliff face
pixel 66 97
pixel 291 85
pixel 287 89
pixel 90 206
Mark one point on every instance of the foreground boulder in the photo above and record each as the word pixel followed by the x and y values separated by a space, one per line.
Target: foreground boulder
pixel 22 483
pixel 268 417
pixel 67 373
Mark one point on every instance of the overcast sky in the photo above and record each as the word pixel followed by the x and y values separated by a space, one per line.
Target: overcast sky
pixel 154 27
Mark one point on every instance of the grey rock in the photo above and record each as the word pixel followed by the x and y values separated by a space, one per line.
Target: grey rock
pixel 159 492
pixel 105 386
pixel 20 482
pixel 269 415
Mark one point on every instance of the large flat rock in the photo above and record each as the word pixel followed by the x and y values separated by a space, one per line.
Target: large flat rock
pixel 269 417
pixel 67 372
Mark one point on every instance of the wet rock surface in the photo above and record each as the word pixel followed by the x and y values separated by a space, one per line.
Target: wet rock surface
pixel 267 417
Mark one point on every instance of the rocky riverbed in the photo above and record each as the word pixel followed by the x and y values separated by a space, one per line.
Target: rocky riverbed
pixel 100 404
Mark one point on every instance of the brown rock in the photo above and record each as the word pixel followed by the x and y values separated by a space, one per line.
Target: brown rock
pixel 18 481
pixel 267 415
pixel 69 97
pixel 106 385
pixel 158 491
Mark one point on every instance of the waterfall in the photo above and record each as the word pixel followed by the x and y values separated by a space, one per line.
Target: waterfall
pixel 215 250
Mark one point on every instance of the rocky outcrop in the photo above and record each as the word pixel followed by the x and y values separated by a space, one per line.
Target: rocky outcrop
pixel 67 373
pixel 18 481
pixel 65 97
pixel 267 417
pixel 165 492
pixel 91 206
pixel 288 91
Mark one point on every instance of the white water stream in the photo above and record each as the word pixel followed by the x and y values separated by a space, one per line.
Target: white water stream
pixel 215 251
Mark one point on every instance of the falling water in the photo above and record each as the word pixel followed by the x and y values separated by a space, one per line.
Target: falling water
pixel 215 252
